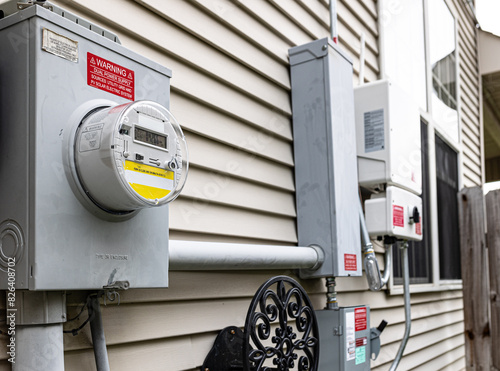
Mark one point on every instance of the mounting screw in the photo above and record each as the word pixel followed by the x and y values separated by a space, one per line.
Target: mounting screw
pixel 324 47
pixel 233 332
pixel 63 316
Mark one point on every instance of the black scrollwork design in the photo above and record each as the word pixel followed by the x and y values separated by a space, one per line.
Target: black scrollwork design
pixel 281 331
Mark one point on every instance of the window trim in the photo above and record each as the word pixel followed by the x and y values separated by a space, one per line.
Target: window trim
pixel 437 284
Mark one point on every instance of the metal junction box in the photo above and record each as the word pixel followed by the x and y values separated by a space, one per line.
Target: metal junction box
pixel 325 156
pixel 53 73
pixel 345 339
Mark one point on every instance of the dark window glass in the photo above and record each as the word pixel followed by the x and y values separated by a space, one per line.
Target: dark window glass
pixel 419 253
pixel 447 189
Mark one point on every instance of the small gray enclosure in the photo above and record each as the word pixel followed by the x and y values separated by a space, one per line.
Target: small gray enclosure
pixel 345 339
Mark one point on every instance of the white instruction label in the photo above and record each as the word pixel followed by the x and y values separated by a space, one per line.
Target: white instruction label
pixel 350 338
pixel 59 45
pixel 374 130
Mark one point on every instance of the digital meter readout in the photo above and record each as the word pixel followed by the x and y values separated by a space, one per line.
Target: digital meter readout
pixel 149 137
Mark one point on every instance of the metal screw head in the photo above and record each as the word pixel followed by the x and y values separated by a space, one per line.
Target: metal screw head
pixel 233 332
pixel 324 47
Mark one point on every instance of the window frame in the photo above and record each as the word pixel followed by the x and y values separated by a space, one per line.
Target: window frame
pixel 433 129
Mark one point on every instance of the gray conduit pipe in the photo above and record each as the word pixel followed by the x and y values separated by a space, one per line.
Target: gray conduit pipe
pixel 406 285
pixel 98 339
pixel 387 264
pixel 195 255
pixel 333 20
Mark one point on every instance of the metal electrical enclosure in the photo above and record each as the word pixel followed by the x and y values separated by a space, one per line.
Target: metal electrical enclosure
pixel 325 156
pixel 345 338
pixel 54 72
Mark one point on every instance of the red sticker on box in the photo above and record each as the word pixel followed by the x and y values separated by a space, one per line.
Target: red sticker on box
pixel 111 77
pixel 418 227
pixel 350 262
pixel 398 216
pixel 360 319
pixel 361 341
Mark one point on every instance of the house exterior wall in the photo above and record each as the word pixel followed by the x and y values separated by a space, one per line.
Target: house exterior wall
pixel 231 94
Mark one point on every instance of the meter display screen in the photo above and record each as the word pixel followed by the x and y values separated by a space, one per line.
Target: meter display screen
pixel 149 137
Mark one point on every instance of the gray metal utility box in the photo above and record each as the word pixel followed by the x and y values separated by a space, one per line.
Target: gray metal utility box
pixel 345 339
pixel 49 80
pixel 324 137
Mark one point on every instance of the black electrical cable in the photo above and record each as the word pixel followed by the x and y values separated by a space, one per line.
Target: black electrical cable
pixel 90 317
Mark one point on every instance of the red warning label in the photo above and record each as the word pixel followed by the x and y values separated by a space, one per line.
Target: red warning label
pixel 398 216
pixel 361 341
pixel 360 319
pixel 350 262
pixel 111 77
pixel 418 227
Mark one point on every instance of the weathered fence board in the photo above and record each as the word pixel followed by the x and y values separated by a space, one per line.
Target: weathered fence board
pixel 493 223
pixel 475 282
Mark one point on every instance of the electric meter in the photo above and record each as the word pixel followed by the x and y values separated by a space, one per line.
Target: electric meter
pixel 130 157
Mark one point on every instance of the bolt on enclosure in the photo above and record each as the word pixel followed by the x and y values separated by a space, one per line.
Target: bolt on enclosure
pixel 326 179
pixel 388 137
pixel 54 74
pixel 345 338
pixel 395 212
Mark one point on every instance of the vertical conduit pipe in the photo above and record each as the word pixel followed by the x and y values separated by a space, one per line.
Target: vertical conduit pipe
pixel 387 264
pixel 406 284
pixel 333 21
pixel 361 76
pixel 369 259
pixel 98 339
pixel 381 40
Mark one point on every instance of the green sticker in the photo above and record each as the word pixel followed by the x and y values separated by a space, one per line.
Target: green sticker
pixel 360 355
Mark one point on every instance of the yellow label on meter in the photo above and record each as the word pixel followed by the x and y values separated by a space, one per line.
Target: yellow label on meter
pixel 148 181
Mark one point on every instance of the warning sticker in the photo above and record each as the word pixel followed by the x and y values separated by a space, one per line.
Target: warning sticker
pixel 374 130
pixel 59 45
pixel 360 318
pixel 111 77
pixel 361 341
pixel 418 227
pixel 350 262
pixel 90 139
pixel 398 216
pixel 148 181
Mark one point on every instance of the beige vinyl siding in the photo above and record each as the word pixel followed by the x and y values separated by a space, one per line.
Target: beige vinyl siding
pixel 231 94
pixel 469 96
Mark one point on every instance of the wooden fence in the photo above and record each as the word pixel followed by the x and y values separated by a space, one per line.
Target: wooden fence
pixel 480 254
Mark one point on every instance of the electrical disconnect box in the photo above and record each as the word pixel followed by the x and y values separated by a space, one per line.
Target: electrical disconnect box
pixel 325 157
pixel 395 212
pixel 345 338
pixel 388 137
pixel 90 156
